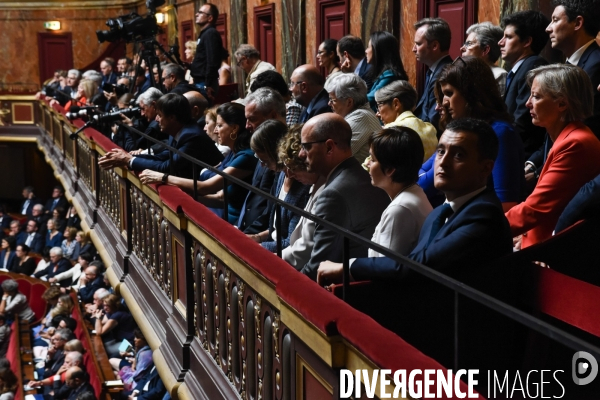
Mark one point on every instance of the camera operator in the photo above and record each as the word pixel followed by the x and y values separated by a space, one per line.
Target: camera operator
pixel 174 80
pixel 174 117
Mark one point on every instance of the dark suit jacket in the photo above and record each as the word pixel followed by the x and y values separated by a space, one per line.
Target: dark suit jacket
pixel 62 203
pixel 297 196
pixel 10 261
pixel 63 265
pixel 54 364
pixel 515 97
pixel 63 392
pixel 363 71
pixel 32 202
pixel 156 388
pixel 350 201
pixel 184 87
pixel 585 204
pixel 36 245
pixel 318 105
pixel 193 142
pixel 475 234
pixel 254 217
pixel 426 107
pixel 6 219
pixel 590 63
pixel 86 293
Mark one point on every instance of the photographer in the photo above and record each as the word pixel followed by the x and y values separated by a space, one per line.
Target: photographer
pixel 174 117
pixel 138 144
pixel 113 93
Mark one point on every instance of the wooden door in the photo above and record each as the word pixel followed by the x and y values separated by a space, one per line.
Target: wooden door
pixel 332 19
pixel 264 32
pixel 186 33
pixel 55 52
pixel 460 14
pixel 221 27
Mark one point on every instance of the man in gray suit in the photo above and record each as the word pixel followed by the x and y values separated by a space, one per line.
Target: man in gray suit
pixel 348 199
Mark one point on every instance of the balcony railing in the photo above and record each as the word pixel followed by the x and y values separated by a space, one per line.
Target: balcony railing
pixel 225 317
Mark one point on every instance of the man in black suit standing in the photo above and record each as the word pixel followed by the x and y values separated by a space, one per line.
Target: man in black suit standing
pixel 524 38
pixel 306 85
pixel 58 200
pixel 432 43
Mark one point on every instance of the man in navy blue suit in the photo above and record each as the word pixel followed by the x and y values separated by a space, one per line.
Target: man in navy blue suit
pixel 31 237
pixel 174 116
pixel 351 51
pixel 306 85
pixel 465 232
pixel 524 38
pixel 432 43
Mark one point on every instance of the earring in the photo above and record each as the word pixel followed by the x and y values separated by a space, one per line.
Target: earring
pixel 231 135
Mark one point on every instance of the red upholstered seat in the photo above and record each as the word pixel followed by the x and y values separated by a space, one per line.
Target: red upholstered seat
pixel 25 288
pixel 37 304
pixel 11 355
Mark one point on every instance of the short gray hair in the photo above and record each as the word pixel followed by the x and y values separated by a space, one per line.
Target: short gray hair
pixel 248 51
pixel 401 90
pixel 266 100
pixel 348 86
pixel 75 72
pixel 150 95
pixel 38 207
pixel 567 82
pixel 94 76
pixel 65 334
pixel 57 251
pixel 10 285
pixel 489 35
pixel 175 70
pixel 101 293
pixel 76 357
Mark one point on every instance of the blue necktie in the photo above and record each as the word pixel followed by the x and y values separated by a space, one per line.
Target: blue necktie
pixel 440 220
pixel 509 78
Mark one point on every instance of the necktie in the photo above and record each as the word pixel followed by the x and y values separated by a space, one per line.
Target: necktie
pixel 54 204
pixel 428 78
pixel 509 78
pixel 29 239
pixel 440 220
pixel 25 206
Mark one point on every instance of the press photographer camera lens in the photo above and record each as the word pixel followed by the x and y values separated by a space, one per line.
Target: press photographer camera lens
pixel 116 116
pixel 129 27
pixel 119 90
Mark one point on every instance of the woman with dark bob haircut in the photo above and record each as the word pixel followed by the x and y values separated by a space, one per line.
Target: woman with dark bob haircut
pixel 396 154
pixel 467 89
pixel 383 54
pixel 231 132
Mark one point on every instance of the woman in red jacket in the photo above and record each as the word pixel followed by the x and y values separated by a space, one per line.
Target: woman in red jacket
pixel 561 98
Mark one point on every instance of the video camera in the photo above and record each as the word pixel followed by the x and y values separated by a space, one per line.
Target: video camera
pixel 129 27
pixel 116 115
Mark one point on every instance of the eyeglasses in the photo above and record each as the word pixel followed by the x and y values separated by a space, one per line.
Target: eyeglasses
pixel 332 101
pixel 381 104
pixel 468 44
pixel 308 145
pixel 202 12
pixel 239 61
pixel 262 163
pixel 293 84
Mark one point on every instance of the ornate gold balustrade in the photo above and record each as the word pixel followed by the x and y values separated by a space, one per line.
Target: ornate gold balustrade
pixel 226 319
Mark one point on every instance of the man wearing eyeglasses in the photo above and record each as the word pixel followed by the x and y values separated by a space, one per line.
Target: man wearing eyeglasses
pixel 306 85
pixel 348 199
pixel 207 61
